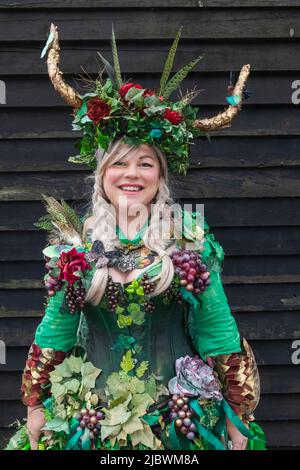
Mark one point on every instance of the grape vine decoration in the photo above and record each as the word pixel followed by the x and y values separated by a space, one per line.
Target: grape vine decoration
pixel 193 274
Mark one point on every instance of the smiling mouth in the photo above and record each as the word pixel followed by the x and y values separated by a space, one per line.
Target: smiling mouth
pixel 130 188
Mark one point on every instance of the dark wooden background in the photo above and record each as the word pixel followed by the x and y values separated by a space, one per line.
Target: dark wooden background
pixel 248 177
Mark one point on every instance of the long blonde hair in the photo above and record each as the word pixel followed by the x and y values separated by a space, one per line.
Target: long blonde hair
pixel 105 220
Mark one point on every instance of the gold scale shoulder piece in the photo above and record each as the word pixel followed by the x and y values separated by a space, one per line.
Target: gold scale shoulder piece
pixel 238 373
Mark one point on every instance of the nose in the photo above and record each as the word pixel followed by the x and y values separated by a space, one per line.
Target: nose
pixel 131 170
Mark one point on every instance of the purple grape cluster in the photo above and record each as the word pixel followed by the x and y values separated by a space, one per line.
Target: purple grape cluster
pixel 192 272
pixel 182 414
pixel 75 296
pixel 112 292
pixel 90 419
pixel 147 284
pixel 173 292
pixel 149 306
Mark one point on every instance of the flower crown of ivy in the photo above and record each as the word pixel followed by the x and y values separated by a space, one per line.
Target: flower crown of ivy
pixel 112 108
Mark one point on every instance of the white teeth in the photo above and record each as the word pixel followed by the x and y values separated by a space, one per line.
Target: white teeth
pixel 130 188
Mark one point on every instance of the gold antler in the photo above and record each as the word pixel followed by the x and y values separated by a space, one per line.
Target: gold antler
pixel 56 76
pixel 224 119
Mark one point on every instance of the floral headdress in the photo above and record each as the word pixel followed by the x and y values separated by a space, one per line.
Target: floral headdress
pixel 142 115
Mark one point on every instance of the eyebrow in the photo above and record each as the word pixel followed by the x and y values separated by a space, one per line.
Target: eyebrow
pixel 146 156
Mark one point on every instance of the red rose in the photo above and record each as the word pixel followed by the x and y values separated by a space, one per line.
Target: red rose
pixel 69 263
pixel 173 116
pixel 148 92
pixel 124 88
pixel 97 110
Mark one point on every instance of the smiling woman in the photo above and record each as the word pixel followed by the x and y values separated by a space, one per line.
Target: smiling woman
pixel 152 318
pixel 138 348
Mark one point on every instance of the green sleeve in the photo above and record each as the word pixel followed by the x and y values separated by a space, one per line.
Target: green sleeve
pixel 212 327
pixel 58 329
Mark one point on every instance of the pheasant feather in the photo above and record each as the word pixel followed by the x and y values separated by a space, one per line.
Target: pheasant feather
pixel 169 63
pixel 179 76
pixel 116 60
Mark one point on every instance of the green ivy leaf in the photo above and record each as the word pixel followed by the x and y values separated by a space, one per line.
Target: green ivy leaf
pixel 140 291
pixel 117 415
pixel 62 369
pixel 133 308
pixel 123 342
pixel 140 403
pixel 153 100
pixel 132 425
pixel 57 425
pixel 78 273
pixel 107 431
pixel 82 110
pixel 140 371
pixel 54 251
pixel 116 387
pixel 86 283
pixel 136 385
pixel 58 390
pixel 135 95
pixel 127 363
pixel 89 374
pixel 124 320
pixel 155 110
pixel 86 145
pixel 102 139
pixel 138 317
pixel 55 272
pixel 72 386
pixel 132 287
pixel 85 119
pixel 119 309
pixel 150 387
pixel 137 348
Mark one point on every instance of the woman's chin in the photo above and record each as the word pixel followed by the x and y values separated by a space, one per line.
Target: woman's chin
pixel 130 203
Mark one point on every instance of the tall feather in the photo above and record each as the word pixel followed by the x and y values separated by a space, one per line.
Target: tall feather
pixel 65 220
pixel 109 68
pixel 179 76
pixel 55 210
pixel 44 223
pixel 116 60
pixel 169 63
pixel 72 217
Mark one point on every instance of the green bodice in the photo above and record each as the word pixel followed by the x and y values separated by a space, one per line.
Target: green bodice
pixel 162 337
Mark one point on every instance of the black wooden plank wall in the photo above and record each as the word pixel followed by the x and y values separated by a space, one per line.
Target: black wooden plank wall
pixel 248 177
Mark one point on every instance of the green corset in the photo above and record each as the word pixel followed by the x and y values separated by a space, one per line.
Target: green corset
pixel 162 338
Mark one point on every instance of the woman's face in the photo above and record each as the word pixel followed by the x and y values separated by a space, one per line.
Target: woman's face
pixel 134 179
